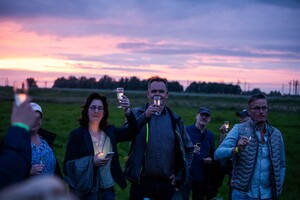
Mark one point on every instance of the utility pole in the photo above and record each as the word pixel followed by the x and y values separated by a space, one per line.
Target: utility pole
pixel 6 82
pixel 296 87
pixel 290 87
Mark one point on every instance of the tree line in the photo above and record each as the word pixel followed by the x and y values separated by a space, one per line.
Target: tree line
pixel 134 83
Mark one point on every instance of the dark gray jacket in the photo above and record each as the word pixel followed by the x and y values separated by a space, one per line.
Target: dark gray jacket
pixel 79 176
pixel 183 148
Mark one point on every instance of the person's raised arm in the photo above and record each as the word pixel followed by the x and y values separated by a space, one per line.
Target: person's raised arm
pixel 15 155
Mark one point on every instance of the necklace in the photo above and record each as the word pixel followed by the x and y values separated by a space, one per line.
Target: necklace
pixel 99 143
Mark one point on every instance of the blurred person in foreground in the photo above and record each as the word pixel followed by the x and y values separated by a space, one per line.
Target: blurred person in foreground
pixel 15 152
pixel 43 160
pixel 200 179
pixel 89 172
pixel 38 188
pixel 160 156
pixel 258 155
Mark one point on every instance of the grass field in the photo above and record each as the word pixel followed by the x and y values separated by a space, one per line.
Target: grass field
pixel 62 109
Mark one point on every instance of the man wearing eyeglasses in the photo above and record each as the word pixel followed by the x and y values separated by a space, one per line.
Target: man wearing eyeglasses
pixel 258 155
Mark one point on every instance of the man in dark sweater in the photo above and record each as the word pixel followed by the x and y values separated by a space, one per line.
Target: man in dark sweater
pixel 204 147
pixel 160 155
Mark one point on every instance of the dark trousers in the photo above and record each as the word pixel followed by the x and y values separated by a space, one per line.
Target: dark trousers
pixel 104 194
pixel 198 191
pixel 154 188
pixel 108 193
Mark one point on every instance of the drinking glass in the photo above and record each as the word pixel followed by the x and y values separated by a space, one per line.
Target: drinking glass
pixel 156 101
pixel 198 147
pixel 42 160
pixel 120 92
pixel 246 138
pixel 20 89
pixel 226 124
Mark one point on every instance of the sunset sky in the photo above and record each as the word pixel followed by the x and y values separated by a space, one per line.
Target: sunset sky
pixel 254 41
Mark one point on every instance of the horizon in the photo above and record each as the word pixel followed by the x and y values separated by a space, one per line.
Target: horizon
pixel 245 87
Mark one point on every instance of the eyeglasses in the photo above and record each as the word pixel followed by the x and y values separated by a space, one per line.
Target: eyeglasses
pixel 94 108
pixel 259 108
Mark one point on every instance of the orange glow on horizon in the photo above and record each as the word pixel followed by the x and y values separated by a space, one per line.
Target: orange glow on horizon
pixel 25 54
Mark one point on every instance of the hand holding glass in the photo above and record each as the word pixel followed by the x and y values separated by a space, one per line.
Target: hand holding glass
pixel 20 91
pixel 248 139
pixel 226 124
pixel 197 147
pixel 120 92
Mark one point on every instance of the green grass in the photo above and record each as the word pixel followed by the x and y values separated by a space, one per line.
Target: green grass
pixel 62 109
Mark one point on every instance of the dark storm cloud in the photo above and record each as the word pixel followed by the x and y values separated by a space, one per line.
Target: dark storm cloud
pixel 102 8
pixel 202 21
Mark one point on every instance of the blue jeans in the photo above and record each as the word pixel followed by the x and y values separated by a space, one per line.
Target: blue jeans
pixel 239 195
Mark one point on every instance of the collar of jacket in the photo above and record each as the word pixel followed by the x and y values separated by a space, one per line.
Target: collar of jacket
pixel 268 127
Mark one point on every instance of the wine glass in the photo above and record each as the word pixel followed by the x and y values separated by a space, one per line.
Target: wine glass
pixel 226 124
pixel 20 89
pixel 120 92
pixel 246 138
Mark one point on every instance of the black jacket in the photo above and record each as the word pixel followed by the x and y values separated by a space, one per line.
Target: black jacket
pixel 183 149
pixel 80 145
pixel 15 156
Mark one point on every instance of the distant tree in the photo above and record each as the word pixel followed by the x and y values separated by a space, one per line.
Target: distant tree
pixel 275 93
pixel 134 83
pixel 60 83
pixel 87 83
pixel 193 87
pixel 203 87
pixel 106 82
pixel 31 83
pixel 256 91
pixel 121 82
pixel 73 82
pixel 175 86
pixel 253 92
